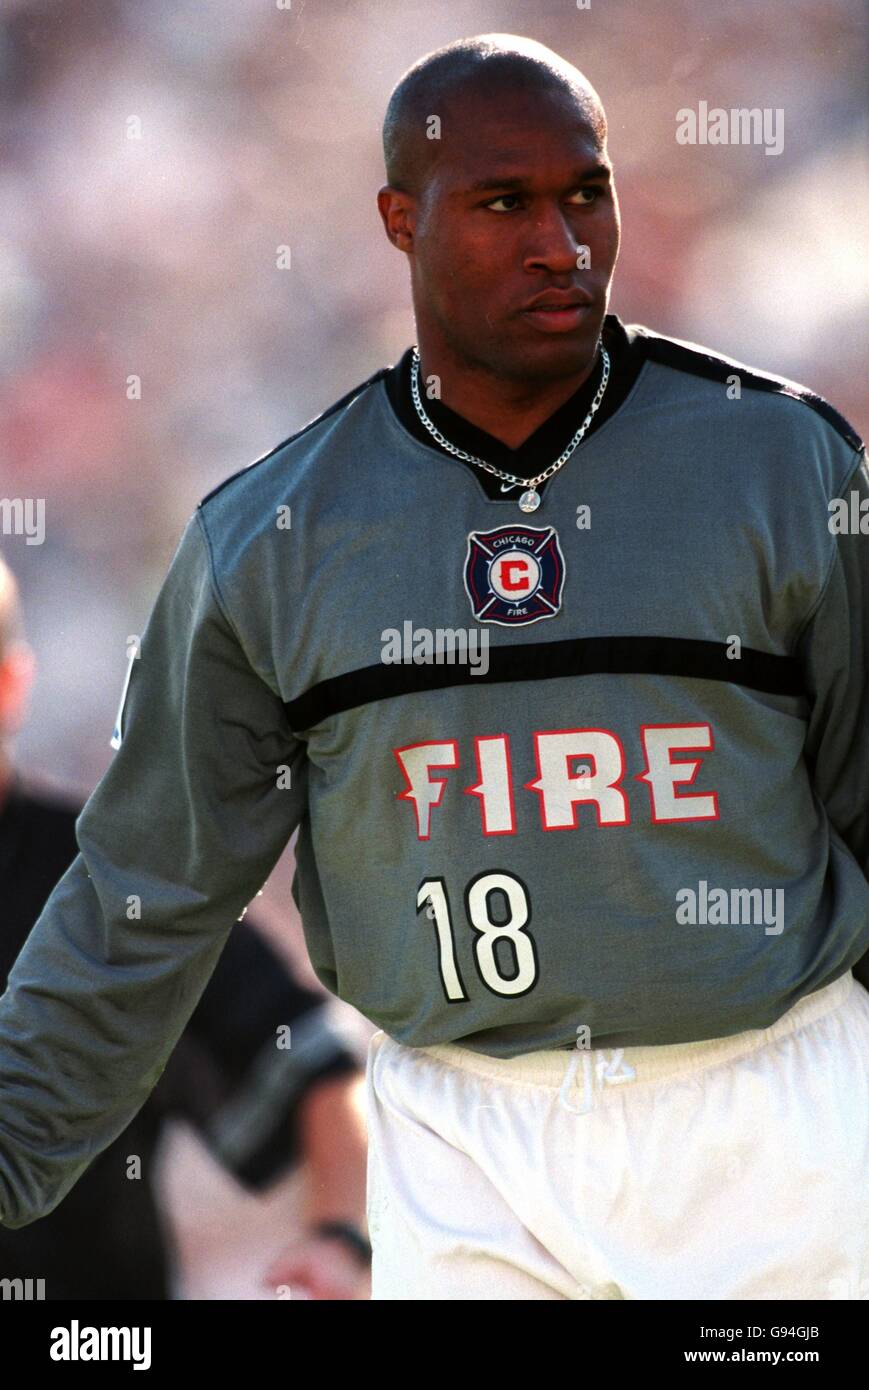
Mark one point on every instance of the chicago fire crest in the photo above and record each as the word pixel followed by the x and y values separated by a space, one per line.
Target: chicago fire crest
pixel 514 574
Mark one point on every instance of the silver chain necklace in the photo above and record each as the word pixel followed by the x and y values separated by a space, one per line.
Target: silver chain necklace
pixel 530 499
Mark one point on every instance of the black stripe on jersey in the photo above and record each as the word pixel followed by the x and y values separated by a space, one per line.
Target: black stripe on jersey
pixel 691 357
pixel 536 661
pixel 324 415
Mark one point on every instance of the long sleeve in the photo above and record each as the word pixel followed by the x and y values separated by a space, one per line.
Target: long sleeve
pixel 177 838
pixel 834 651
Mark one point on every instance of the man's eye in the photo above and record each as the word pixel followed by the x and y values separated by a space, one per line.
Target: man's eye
pixel 583 197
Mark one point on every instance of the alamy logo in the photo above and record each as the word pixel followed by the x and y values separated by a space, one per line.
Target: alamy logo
pixel 23 516
pixel 741 125
pixel 76 1343
pixel 26 1290
pixel 849 516
pixel 436 646
pixel 717 907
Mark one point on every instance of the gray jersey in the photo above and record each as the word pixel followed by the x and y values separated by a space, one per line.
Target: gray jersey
pixel 633 808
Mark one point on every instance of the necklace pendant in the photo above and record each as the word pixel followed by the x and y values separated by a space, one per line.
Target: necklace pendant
pixel 530 500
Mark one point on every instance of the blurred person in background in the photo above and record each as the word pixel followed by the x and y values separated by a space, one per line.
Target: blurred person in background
pixel 259 1107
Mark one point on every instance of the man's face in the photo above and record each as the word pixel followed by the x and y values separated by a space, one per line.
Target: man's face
pixel 514 195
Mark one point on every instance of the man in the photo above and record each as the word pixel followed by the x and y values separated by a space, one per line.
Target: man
pixel 578 1092
pixel 259 1108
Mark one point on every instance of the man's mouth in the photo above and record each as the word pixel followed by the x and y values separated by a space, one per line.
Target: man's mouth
pixel 556 318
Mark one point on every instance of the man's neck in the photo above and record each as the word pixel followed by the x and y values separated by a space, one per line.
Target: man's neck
pixel 508 410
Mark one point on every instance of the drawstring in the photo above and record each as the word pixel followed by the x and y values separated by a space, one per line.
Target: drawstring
pixel 609 1073
pixel 587 1103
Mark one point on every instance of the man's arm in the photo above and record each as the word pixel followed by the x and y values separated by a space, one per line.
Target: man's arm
pixel 175 841
pixel 834 651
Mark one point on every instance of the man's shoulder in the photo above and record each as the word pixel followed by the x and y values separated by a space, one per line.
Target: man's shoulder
pixel 778 394
pixel 293 450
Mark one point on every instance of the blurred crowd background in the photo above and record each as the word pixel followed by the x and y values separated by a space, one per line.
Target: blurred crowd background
pixel 155 156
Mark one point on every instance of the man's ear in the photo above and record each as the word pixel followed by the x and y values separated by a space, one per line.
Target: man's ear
pixel 17 670
pixel 398 211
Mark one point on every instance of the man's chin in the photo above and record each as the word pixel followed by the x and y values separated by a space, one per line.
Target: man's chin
pixel 545 356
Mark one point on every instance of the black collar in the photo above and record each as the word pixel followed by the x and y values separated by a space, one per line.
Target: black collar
pixel 627 356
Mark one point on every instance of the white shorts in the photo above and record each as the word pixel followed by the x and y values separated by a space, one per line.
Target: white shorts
pixel 734 1168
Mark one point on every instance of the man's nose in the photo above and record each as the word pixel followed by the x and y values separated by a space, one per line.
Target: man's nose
pixel 552 243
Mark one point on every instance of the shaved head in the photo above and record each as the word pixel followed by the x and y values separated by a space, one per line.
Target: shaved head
pixel 492 66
